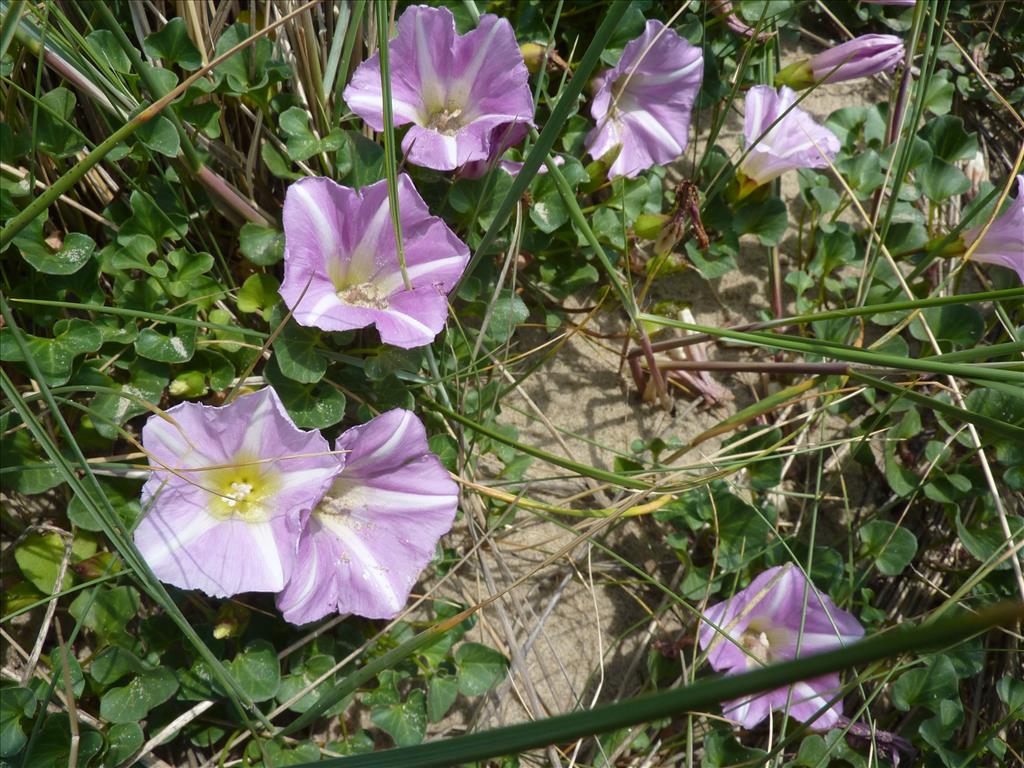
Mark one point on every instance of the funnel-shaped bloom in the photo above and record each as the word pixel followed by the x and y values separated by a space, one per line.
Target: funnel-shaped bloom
pixel 1003 244
pixel 795 142
pixel 644 103
pixel 454 89
pixel 227 492
pixel 376 529
pixel 763 625
pixel 341 265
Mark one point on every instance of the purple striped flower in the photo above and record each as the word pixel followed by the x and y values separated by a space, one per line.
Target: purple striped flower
pixel 779 617
pixel 455 90
pixel 643 105
pixel 376 529
pixel 1003 244
pixel 341 268
pixel 226 495
pixel 795 142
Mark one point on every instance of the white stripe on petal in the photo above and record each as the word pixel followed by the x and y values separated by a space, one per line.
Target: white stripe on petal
pixel 433 89
pixel 265 550
pixel 356 495
pixel 252 440
pixel 325 233
pixel 310 575
pixel 412 322
pixel 654 127
pixel 327 302
pixel 173 540
pixel 370 568
pixel 392 282
pixel 361 265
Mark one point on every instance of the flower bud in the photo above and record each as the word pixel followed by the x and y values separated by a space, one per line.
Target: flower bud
pixel 861 57
pixel 533 55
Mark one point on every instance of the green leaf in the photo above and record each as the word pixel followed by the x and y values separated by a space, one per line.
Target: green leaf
pixel 927 687
pixel 940 180
pixel 985 542
pixel 188 267
pixel 75 252
pixel 103 45
pixel 123 741
pixel 39 556
pixel 478 668
pixel 257 670
pixel 508 311
pixel 863 172
pixel 766 471
pixel 938 98
pixel 891 547
pixel 55 357
pixel 147 380
pixel 441 694
pixel 173 45
pixel 311 406
pixel 160 135
pixel 258 294
pixel 297 350
pixel 53 133
pixel 262 246
pixel 302 677
pixel 109 614
pixel 23 469
pixel 53 743
pixel 175 345
pixel 365 157
pixel 767 220
pixel 1011 692
pixel 948 139
pixel 405 723
pixel 302 143
pixel 15 705
pixel 150 219
pixel 960 324
pixel 132 702
pixel 113 663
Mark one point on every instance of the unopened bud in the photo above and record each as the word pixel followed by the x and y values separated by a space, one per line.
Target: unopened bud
pixel 533 55
pixel 188 384
pixel 232 619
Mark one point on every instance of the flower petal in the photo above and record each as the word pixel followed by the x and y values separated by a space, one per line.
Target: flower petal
pixel 378 526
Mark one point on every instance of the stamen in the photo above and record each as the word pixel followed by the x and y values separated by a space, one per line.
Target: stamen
pixel 368 295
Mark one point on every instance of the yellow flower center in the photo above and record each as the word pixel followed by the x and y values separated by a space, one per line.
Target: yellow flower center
pixel 241 491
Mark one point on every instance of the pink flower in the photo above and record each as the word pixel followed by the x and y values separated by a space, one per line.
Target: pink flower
pixel 643 105
pixel 1003 244
pixel 376 529
pixel 454 89
pixel 795 142
pixel 341 265
pixel 780 616
pixel 227 492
